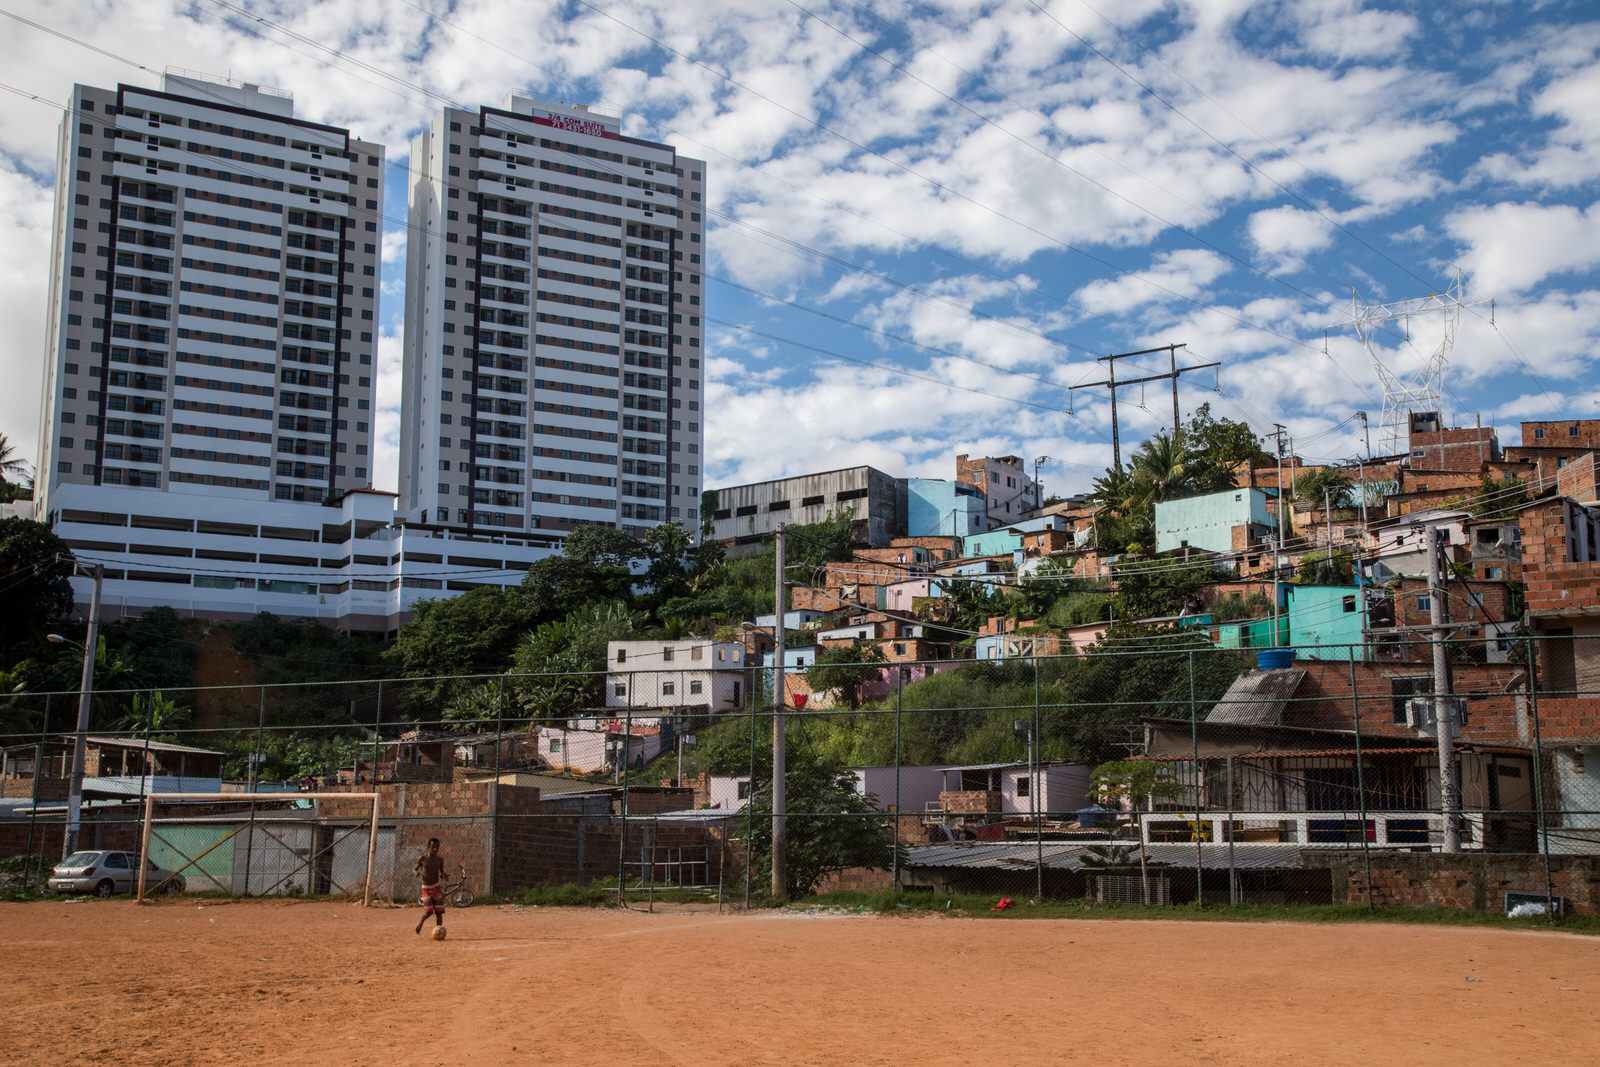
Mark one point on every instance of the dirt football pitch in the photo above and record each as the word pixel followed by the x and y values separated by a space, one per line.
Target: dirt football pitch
pixel 287 982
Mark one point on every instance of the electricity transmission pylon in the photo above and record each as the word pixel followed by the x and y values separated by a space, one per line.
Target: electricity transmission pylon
pixel 1421 390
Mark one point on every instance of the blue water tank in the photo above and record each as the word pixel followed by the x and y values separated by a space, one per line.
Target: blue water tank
pixel 1094 816
pixel 1275 659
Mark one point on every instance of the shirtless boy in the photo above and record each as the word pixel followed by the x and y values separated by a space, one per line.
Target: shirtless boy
pixel 430 869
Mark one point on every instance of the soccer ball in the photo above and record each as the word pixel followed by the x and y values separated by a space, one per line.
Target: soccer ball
pixel 438 933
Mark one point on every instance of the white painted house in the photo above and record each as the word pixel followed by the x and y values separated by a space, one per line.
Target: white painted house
pixel 693 672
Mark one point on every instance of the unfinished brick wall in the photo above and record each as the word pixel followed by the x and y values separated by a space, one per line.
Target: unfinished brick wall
pixel 970 801
pixel 1496 707
pixel 1470 881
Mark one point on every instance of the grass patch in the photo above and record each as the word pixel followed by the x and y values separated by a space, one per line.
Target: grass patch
pixel 601 894
pixel 899 902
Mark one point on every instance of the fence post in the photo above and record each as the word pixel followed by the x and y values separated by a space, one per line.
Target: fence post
pixel 899 685
pixel 494 812
pixel 1361 779
pixel 33 810
pixel 250 839
pixel 750 799
pixel 377 741
pixel 1199 786
pixel 1033 785
pixel 1538 778
pixel 622 838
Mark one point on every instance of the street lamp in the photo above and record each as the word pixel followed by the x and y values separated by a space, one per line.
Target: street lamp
pixel 69 843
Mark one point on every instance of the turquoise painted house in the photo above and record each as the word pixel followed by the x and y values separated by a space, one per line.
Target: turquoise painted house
pixel 1002 542
pixel 1324 621
pixel 1208 521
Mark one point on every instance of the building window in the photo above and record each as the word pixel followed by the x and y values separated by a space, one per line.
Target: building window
pixel 619 689
pixel 555 744
pixel 695 688
pixel 1425 603
pixel 1538 432
pixel 1023 785
pixel 622 655
pixel 744 790
pixel 669 689
pixel 666 653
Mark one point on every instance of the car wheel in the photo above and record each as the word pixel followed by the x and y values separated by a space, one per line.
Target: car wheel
pixel 172 887
pixel 104 888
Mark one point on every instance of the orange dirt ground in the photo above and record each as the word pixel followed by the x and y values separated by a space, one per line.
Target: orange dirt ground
pixel 280 982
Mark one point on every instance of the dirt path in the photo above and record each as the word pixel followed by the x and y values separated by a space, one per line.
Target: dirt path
pixel 178 982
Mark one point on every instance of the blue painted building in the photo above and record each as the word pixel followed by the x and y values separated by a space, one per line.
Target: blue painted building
pixel 1208 521
pixel 1005 541
pixel 937 507
pixel 1324 621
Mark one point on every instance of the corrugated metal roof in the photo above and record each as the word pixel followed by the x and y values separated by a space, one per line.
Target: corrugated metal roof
pixel 1256 698
pixel 141 744
pixel 1023 855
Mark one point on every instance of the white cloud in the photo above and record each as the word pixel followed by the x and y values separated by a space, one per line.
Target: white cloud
pixel 1509 247
pixel 1173 276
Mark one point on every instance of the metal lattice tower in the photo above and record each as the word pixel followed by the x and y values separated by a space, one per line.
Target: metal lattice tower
pixel 1420 391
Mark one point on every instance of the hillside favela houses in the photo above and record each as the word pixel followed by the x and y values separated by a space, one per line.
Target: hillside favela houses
pixel 209 448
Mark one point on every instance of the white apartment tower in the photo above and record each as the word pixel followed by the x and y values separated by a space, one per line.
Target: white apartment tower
pixel 553 354
pixel 212 298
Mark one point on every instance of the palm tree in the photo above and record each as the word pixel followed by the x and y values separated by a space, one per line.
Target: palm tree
pixel 1161 468
pixel 10 462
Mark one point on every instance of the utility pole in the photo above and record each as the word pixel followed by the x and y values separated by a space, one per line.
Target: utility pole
pixel 1038 491
pixel 1112 383
pixel 1277 555
pixel 780 768
pixel 80 739
pixel 1441 697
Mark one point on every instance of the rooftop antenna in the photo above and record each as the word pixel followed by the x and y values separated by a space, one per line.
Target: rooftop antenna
pixel 1421 390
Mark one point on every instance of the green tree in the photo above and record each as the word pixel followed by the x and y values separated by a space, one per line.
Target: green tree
pixel 595 564
pixel 832 540
pixel 1141 782
pixel 1161 470
pixel 1156 588
pixel 845 670
pixel 471 634
pixel 15 481
pixel 1498 499
pixel 1309 488
pixel 34 567
pixel 560 666
pixel 829 826
pixel 666 549
pixel 1220 446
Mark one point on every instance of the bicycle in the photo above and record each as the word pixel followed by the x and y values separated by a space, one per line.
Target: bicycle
pixel 457 892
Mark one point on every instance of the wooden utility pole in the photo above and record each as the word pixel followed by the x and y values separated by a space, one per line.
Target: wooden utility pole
pixel 1112 383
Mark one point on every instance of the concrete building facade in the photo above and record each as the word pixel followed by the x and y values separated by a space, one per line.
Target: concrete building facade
pixel 1003 481
pixel 743 516
pixel 553 361
pixel 213 295
pixel 937 507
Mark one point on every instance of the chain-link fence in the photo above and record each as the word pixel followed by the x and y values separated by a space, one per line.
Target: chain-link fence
pixel 1158 770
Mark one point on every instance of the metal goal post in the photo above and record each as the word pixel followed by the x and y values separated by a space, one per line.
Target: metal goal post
pixel 244 798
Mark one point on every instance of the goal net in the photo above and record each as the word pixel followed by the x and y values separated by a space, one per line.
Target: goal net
pixel 265 844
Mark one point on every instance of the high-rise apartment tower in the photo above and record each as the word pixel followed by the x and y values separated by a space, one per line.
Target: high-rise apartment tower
pixel 212 298
pixel 553 355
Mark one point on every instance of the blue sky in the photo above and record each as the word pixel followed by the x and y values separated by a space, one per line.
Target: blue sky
pixel 927 221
